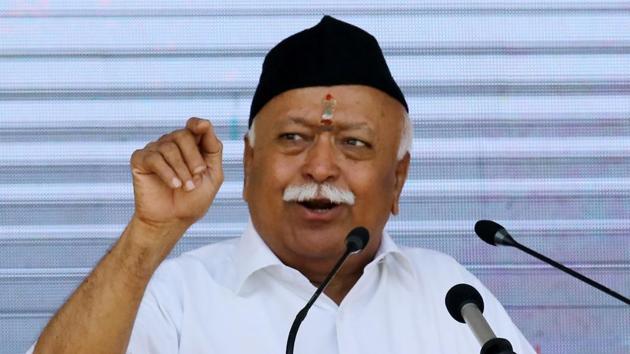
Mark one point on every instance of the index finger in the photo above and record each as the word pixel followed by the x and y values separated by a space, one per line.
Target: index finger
pixel 198 126
pixel 203 129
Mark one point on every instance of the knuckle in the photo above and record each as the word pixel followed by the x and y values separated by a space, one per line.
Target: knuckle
pixel 136 155
pixel 184 137
pixel 169 148
pixel 191 122
pixel 179 133
pixel 153 159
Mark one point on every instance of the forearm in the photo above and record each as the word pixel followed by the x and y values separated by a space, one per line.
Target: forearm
pixel 99 315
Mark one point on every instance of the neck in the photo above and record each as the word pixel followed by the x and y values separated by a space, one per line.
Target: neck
pixel 339 286
pixel 343 281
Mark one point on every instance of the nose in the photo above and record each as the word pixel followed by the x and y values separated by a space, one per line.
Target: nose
pixel 321 161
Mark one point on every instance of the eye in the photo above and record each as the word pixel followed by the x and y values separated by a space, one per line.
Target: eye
pixel 291 136
pixel 356 142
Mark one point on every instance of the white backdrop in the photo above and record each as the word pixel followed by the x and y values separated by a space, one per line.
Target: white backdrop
pixel 521 114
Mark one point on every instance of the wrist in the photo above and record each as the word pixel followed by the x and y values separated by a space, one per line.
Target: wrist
pixel 145 245
pixel 150 233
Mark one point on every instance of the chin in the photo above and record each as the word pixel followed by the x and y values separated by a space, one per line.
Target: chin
pixel 320 244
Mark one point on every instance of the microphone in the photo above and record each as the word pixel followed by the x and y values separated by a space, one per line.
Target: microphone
pixel 465 305
pixel 495 234
pixel 356 241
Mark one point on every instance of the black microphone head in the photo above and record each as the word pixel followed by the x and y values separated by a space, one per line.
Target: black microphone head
pixel 487 229
pixel 460 295
pixel 357 239
pixel 493 233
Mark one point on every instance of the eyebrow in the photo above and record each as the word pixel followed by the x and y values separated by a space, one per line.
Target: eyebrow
pixel 341 126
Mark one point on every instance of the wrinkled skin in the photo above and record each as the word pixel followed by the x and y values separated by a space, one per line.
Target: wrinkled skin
pixel 358 153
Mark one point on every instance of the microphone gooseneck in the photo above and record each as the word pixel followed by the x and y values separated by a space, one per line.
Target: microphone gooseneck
pixel 495 234
pixel 356 241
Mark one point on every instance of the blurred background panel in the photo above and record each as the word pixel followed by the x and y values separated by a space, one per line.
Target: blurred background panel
pixel 521 114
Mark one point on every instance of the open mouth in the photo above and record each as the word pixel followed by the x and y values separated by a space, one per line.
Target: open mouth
pixel 318 205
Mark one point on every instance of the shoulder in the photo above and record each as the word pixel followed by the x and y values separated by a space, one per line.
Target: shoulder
pixel 178 281
pixel 208 263
pixel 440 271
pixel 434 262
pixel 437 272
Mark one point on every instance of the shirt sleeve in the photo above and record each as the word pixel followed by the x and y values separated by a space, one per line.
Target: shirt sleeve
pixel 155 328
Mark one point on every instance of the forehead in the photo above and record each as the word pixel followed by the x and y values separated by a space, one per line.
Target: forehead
pixel 354 104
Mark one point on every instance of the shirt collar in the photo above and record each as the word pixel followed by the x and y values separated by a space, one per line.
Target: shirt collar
pixel 391 254
pixel 252 255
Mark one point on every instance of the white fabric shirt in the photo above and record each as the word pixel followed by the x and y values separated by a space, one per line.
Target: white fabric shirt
pixel 237 297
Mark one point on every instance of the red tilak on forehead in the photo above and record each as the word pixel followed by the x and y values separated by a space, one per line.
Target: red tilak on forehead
pixel 329 103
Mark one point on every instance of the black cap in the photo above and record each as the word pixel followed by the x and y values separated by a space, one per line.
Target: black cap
pixel 331 53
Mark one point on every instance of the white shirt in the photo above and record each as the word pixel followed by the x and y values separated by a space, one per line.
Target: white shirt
pixel 236 297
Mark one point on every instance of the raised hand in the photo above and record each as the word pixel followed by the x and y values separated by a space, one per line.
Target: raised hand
pixel 176 178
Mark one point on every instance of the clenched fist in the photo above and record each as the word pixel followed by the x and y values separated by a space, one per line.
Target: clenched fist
pixel 176 178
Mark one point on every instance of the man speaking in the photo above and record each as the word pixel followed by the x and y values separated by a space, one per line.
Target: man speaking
pixel 327 151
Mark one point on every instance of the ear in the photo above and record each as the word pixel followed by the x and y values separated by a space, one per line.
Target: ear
pixel 248 156
pixel 401 176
